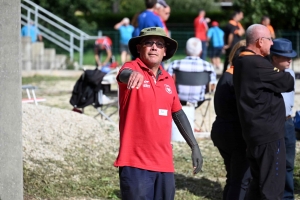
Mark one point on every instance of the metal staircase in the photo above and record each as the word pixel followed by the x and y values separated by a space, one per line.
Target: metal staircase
pixel 57 31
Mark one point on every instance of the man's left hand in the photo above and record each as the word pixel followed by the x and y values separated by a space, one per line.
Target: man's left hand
pixel 197 159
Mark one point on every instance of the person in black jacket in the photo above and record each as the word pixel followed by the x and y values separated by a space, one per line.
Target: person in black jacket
pixel 226 133
pixel 258 86
pixel 233 33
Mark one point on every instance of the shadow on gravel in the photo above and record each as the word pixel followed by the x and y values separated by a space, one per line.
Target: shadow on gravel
pixel 202 187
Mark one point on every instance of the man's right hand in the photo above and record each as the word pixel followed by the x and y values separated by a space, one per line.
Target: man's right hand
pixel 135 80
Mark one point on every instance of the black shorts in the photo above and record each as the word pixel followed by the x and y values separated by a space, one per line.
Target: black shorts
pixel 216 52
pixel 124 47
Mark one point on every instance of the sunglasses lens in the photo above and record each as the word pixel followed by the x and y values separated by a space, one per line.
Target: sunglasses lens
pixel 160 45
pixel 150 44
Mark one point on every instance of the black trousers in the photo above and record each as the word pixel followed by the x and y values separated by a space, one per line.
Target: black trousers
pixel 267 164
pixel 238 175
pixel 140 184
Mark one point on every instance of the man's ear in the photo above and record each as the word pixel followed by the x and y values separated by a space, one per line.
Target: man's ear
pixel 259 43
pixel 165 51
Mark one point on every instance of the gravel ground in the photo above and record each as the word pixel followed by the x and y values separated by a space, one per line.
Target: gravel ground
pixel 51 133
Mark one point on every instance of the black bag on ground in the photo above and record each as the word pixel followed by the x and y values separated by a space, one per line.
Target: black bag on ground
pixel 86 88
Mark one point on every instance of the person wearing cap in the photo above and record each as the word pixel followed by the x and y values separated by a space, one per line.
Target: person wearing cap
pixel 226 133
pixel 190 94
pixel 200 29
pixel 148 103
pixel 148 18
pixel 258 86
pixel 126 31
pixel 163 10
pixel 281 56
pixel 215 35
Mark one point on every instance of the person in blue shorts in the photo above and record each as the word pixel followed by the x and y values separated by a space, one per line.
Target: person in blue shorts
pixel 216 35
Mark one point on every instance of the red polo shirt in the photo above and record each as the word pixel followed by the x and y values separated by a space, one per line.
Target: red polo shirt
pixel 146 120
pixel 200 27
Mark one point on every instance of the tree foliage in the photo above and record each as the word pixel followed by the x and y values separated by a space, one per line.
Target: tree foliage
pixel 284 14
pixel 91 11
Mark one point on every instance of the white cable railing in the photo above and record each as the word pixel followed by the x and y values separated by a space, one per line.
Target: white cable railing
pixel 67 36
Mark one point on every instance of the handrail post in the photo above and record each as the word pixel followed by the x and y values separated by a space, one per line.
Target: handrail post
pixel 81 50
pixel 36 13
pixel 71 50
pixel 28 17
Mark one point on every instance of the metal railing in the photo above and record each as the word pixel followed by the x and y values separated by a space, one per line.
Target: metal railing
pixel 66 36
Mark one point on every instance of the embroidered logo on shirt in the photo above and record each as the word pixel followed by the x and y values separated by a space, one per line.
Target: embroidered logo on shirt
pixel 168 89
pixel 146 84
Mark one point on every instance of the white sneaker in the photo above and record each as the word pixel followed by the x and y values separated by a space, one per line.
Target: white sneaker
pixel 106 100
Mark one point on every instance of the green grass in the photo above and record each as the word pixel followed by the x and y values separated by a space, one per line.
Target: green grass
pixel 78 176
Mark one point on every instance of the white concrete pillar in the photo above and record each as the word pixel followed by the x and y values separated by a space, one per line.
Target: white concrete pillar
pixel 11 165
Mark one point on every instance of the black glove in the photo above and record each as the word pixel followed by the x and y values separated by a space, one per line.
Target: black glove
pixel 186 131
pixel 197 159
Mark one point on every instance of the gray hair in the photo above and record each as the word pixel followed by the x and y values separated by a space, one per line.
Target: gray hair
pixel 193 46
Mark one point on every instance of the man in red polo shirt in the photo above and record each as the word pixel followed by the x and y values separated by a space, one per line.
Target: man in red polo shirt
pixel 148 102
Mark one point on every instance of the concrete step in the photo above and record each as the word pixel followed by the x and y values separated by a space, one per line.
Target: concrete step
pixel 50 58
pixel 36 57
pixel 60 61
pixel 26 53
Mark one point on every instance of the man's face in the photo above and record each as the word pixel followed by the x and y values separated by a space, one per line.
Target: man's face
pixel 166 13
pixel 265 41
pixel 281 62
pixel 266 22
pixel 152 55
pixel 241 16
pixel 160 11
